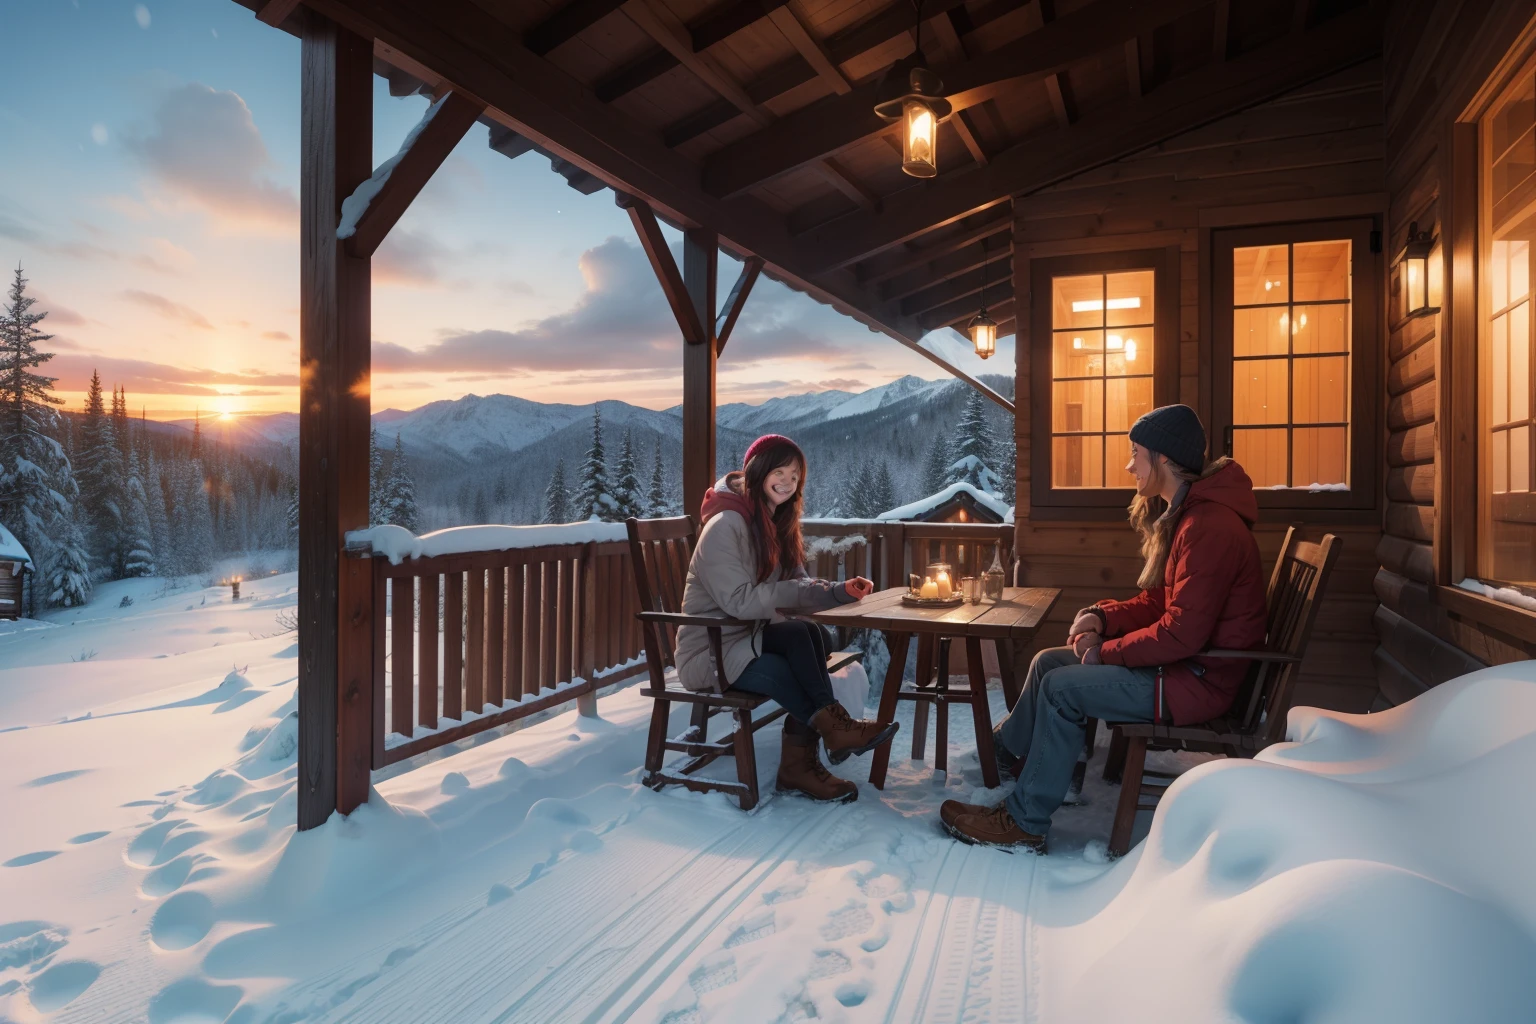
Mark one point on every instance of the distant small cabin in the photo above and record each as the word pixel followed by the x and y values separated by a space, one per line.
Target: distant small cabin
pixel 15 563
pixel 958 503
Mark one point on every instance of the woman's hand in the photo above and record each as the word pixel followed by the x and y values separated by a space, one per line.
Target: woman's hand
pixel 860 588
pixel 1089 620
pixel 1085 645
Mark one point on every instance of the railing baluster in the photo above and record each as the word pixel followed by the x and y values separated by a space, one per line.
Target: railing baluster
pixel 530 672
pixel 563 620
pixel 453 645
pixel 402 661
pixel 426 692
pixel 547 615
pixel 474 667
pixel 495 637
pixel 517 640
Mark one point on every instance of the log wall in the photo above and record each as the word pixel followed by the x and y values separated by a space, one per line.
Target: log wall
pixel 1316 153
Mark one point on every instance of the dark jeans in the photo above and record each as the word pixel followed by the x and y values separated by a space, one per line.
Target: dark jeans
pixel 792 669
pixel 1048 723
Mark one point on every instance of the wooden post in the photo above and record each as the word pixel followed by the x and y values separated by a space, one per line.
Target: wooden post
pixel 586 704
pixel 335 592
pixel 699 262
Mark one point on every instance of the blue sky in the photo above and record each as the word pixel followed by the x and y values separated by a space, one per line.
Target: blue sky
pixel 149 189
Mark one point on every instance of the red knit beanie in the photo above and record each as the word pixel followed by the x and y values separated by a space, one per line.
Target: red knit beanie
pixel 767 441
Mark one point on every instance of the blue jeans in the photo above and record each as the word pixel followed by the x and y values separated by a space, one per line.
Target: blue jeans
pixel 1048 723
pixel 792 669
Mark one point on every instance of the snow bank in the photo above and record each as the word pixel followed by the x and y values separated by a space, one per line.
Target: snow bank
pixel 1372 868
pixel 933 501
pixel 1508 595
pixel 397 543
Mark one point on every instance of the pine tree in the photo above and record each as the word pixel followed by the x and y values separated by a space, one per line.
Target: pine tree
pixel 858 502
pixel 139 550
pixel 20 389
pixel 627 490
pixel 882 492
pixel 399 497
pixel 159 517
pixel 293 509
pixel 656 504
pixel 192 521
pixel 936 468
pixel 376 480
pixel 98 470
pixel 557 500
pixel 595 498
pixel 972 452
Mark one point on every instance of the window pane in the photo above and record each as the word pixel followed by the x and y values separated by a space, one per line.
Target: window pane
pixel 1520 362
pixel 1519 269
pixel 1259 391
pixel 1077 461
pixel 1500 461
pixel 1078 354
pixel 1077 301
pixel 1129 351
pixel 1513 119
pixel 1262 454
pixel 1321 270
pixel 1322 390
pixel 1117 454
pixel 1129 298
pixel 1520 459
pixel 1499 273
pixel 1516 165
pixel 1498 373
pixel 1318 456
pixel 1077 405
pixel 1320 329
pixel 1258 332
pixel 1126 401
pixel 1259 274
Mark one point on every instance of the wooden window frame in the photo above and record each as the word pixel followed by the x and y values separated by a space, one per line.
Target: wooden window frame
pixel 1046 501
pixel 1364 364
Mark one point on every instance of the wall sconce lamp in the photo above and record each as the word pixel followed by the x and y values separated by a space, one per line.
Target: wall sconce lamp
pixel 1413 272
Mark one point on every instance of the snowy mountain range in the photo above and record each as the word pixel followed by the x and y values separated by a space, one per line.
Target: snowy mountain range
pixel 501 450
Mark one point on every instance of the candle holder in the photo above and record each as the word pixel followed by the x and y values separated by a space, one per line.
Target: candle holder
pixel 970 587
pixel 937 587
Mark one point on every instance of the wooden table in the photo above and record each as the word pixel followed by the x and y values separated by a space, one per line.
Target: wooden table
pixel 1009 623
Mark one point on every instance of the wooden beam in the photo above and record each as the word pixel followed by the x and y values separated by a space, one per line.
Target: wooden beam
pixel 660 254
pixel 720 23
pixel 1056 90
pixel 726 323
pixel 1133 68
pixel 993 274
pixel 1177 106
pixel 838 177
pixel 567 23
pixel 657 21
pixel 961 122
pixel 336 609
pixel 275 12
pixel 810 48
pixel 894 264
pixel 1301 13
pixel 448 121
pixel 962 309
pixel 700 260
pixel 947 268
pixel 832 124
pixel 1220 30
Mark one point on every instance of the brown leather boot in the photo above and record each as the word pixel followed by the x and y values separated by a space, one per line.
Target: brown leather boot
pixel 991 826
pixel 845 736
pixel 801 771
pixel 951 810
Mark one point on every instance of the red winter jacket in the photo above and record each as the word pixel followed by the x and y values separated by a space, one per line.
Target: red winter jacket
pixel 1213 596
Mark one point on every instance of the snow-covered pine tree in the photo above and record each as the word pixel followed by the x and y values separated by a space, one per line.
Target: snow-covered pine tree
pixel 656 504
pixel 857 502
pixel 936 467
pixel 159 517
pixel 400 493
pixel 293 509
pixel 193 529
pixel 139 554
pixel 375 479
pixel 882 492
pixel 98 470
pixel 595 497
pixel 120 421
pixel 557 500
pixel 627 487
pixel 24 395
pixel 972 451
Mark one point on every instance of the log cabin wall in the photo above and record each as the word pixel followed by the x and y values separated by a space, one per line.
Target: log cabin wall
pixel 1438 55
pixel 1313 154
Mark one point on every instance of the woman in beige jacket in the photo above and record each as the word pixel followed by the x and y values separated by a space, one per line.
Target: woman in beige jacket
pixel 749 564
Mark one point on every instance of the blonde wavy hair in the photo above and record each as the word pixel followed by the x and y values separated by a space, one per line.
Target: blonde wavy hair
pixel 1156 520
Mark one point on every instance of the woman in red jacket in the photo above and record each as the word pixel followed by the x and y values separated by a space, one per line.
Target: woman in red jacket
pixel 1138 660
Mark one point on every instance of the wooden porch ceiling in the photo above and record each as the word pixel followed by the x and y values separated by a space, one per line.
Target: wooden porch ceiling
pixel 753 117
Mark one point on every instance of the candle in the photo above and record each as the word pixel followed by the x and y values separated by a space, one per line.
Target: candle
pixel 942 584
pixel 930 589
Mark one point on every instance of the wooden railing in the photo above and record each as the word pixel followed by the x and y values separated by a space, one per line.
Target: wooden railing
pixel 467 642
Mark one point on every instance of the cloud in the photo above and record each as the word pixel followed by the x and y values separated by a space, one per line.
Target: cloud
pixel 143 377
pixel 99 133
pixel 204 148
pixel 168 309
pixel 842 384
pixel 14 229
pixel 277 335
pixel 141 15
pixel 409 258
pixel 622 324
pixel 58 315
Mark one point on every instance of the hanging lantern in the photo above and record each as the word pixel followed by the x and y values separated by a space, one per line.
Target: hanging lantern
pixel 1413 272
pixel 983 333
pixel 912 94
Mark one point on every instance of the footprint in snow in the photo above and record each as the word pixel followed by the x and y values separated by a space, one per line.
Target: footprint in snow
pixel 29 858
pixel 87 837
pixel 715 972
pixel 758 926
pixel 28 942
pixel 827 962
pixel 61 984
pixel 846 921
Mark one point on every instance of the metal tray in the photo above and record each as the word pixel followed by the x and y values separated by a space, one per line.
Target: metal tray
pixel 952 601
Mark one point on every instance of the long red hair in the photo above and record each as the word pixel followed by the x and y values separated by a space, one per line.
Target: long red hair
pixel 775 532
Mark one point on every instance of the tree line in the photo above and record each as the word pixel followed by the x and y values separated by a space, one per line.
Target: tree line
pixel 608 495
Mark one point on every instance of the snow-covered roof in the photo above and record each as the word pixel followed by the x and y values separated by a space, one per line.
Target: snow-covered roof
pixel 11 549
pixel 921 506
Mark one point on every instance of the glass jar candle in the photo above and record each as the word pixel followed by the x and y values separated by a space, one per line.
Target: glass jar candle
pixel 941 573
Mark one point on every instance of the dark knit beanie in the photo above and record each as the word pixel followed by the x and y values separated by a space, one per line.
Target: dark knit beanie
pixel 1174 431
pixel 768 441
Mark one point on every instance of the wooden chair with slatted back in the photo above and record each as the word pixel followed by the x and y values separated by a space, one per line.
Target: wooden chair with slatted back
pixel 1257 717
pixel 661 550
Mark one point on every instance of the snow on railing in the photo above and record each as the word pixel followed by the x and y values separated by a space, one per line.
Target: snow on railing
pixel 397 543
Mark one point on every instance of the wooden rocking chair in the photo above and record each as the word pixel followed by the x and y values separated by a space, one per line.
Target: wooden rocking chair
pixel 1258 714
pixel 661 550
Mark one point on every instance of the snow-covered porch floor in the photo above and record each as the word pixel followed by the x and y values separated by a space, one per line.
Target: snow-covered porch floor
pixel 149 869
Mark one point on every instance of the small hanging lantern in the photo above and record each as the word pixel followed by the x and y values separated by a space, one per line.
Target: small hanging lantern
pixel 982 327
pixel 912 94
pixel 1413 272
